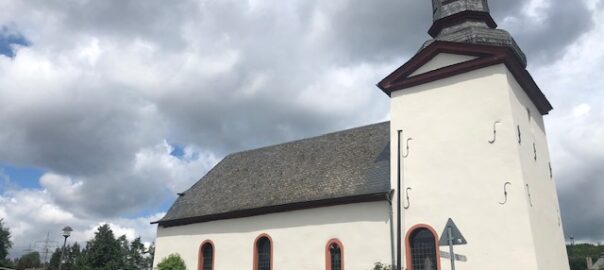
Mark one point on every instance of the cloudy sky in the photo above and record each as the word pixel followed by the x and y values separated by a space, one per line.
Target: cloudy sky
pixel 108 108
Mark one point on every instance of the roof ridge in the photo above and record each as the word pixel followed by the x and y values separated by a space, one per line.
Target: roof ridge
pixel 308 138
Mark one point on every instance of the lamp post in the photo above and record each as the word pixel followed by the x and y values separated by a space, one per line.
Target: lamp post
pixel 66 233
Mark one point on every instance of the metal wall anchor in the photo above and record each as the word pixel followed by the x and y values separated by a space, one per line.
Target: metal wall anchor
pixel 505 192
pixel 528 192
pixel 551 173
pixel 407 147
pixel 494 132
pixel 408 204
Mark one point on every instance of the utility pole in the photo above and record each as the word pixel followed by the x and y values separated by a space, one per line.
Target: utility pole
pixel 45 247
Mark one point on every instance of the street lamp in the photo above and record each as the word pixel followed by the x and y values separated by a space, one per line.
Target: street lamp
pixel 66 233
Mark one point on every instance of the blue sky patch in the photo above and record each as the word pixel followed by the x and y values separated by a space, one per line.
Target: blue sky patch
pixel 178 151
pixel 9 37
pixel 23 177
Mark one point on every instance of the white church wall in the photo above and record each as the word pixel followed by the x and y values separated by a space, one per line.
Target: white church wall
pixel 299 238
pixel 454 171
pixel 442 60
pixel 544 211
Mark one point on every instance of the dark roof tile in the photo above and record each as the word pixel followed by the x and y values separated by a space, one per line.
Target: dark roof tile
pixel 338 165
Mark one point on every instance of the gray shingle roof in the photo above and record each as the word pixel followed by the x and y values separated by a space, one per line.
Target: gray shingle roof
pixel 338 165
pixel 471 29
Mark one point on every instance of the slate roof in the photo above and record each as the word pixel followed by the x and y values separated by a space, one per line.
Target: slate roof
pixel 339 165
pixel 470 21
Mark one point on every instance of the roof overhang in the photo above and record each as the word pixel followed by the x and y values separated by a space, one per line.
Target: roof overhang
pixel 374 197
pixel 486 56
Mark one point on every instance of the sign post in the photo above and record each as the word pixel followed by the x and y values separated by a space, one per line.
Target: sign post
pixel 451 236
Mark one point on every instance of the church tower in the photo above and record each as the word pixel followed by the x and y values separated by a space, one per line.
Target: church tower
pixel 472 150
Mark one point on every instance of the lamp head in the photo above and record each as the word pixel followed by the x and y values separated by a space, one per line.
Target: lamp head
pixel 67 231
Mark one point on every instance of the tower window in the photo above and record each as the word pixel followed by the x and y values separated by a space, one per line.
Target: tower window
pixel 334 255
pixel 263 253
pixel 422 249
pixel 206 256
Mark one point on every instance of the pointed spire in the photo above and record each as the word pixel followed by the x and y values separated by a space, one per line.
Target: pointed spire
pixel 469 21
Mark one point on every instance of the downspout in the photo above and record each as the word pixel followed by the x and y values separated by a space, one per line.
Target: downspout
pixel 391 211
pixel 398 203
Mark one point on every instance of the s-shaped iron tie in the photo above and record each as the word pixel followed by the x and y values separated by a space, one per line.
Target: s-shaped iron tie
pixel 505 192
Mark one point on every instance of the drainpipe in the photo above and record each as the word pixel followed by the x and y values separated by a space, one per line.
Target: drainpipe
pixel 398 203
pixel 391 213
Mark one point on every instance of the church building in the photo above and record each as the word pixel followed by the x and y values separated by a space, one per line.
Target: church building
pixel 459 178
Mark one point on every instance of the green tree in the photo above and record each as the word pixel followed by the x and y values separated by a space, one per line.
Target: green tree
pixel 54 260
pixel 578 253
pixel 150 256
pixel 5 244
pixel 29 260
pixel 381 266
pixel 136 255
pixel 72 254
pixel 104 252
pixel 172 262
pixel 124 250
pixel 80 260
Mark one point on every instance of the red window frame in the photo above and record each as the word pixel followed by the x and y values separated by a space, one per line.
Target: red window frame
pixel 200 260
pixel 328 253
pixel 408 255
pixel 270 240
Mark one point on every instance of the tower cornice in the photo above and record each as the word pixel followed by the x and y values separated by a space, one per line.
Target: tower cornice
pixel 486 55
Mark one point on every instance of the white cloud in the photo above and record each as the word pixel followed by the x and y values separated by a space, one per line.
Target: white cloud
pixel 32 214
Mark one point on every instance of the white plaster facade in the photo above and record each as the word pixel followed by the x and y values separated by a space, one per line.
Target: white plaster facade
pixel 299 238
pixel 443 60
pixel 454 171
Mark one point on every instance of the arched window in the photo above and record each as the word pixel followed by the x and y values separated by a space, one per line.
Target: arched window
pixel 422 243
pixel 206 256
pixel 334 255
pixel 263 253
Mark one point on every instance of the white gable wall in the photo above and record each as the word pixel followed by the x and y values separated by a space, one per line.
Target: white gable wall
pixel 299 238
pixel 544 212
pixel 442 60
pixel 454 172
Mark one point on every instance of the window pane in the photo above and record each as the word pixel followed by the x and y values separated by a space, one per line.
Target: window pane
pixel 263 247
pixel 423 250
pixel 336 257
pixel 208 256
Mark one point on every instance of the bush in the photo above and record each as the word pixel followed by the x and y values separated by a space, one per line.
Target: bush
pixel 172 262
pixel 381 266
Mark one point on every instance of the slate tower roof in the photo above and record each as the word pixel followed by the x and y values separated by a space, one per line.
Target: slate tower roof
pixel 469 21
pixel 342 167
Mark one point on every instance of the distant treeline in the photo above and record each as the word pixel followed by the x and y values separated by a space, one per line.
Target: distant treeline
pixel 103 252
pixel 577 254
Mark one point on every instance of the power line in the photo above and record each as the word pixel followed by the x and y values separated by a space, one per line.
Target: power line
pixel 44 247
